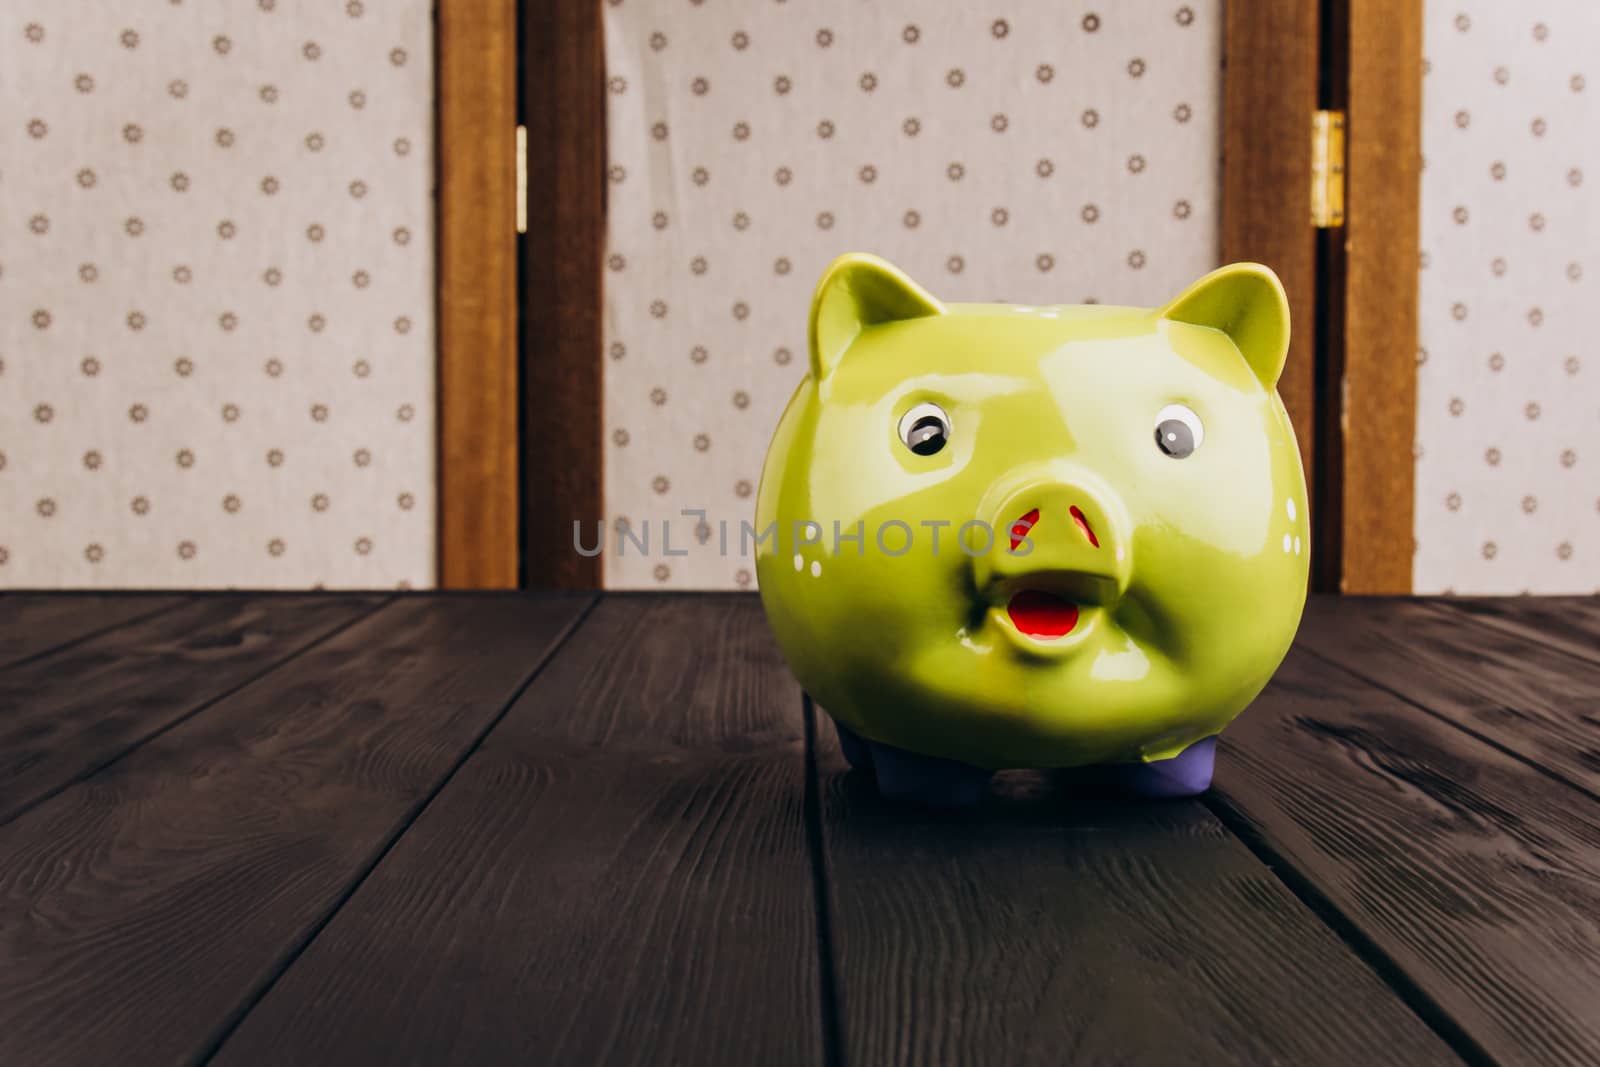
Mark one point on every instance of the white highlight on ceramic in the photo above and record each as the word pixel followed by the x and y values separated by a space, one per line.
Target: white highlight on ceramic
pixel 1128 665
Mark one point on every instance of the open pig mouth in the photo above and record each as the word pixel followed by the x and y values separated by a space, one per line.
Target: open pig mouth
pixel 1043 615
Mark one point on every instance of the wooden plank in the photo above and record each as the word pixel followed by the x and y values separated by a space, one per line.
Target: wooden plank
pixel 1384 166
pixel 618 876
pixel 563 76
pixel 1517 694
pixel 477 56
pixel 1052 927
pixel 1570 623
pixel 1269 89
pixel 143 912
pixel 72 712
pixel 32 624
pixel 1475 876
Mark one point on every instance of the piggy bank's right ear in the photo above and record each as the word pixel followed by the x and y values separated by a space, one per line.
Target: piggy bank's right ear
pixel 1246 302
pixel 858 290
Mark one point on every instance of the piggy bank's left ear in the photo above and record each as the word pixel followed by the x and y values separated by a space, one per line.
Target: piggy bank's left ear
pixel 1246 302
pixel 859 290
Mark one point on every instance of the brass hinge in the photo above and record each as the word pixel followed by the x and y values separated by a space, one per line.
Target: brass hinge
pixel 1327 169
pixel 522 179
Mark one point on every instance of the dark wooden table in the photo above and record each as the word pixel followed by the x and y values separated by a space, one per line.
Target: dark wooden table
pixel 520 829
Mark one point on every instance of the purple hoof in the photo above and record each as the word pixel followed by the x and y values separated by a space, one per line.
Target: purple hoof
pixel 1188 774
pixel 856 751
pixel 902 775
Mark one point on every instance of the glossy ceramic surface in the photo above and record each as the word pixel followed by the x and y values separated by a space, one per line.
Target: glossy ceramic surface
pixel 1152 590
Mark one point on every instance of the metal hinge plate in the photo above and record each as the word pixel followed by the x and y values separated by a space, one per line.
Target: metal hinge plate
pixel 1327 169
pixel 522 179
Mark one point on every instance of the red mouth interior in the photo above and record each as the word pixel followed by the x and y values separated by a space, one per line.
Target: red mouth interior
pixel 1040 614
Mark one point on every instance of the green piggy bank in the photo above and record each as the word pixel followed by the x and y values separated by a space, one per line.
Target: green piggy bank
pixel 994 536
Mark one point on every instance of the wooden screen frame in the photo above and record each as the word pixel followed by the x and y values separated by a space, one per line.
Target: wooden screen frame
pixel 476 61
pixel 1383 70
pixel 1350 381
pixel 564 109
pixel 1269 90
pixel 1349 384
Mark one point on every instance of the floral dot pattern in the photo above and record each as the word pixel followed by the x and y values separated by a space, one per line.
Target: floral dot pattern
pixel 1028 152
pixel 177 405
pixel 1508 374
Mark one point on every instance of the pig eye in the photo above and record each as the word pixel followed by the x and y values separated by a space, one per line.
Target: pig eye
pixel 1178 431
pixel 925 429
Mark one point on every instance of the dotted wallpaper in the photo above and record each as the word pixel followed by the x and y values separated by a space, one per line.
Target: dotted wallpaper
pixel 1034 151
pixel 1508 378
pixel 216 294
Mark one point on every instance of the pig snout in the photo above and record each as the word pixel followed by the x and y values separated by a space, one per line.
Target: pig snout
pixel 1057 530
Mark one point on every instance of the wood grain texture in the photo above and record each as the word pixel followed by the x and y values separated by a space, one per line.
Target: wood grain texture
pixel 67 714
pixel 618 876
pixel 1478 877
pixel 478 449
pixel 564 107
pixel 1269 89
pixel 142 911
pixel 32 624
pixel 1510 690
pixel 1051 927
pixel 1570 623
pixel 1384 163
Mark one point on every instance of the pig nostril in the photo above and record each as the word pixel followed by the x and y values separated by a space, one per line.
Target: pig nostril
pixel 1020 528
pixel 1083 524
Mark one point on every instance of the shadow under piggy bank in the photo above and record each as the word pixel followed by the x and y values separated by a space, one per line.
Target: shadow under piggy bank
pixel 941 783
